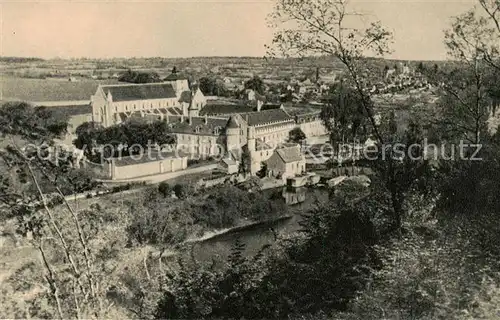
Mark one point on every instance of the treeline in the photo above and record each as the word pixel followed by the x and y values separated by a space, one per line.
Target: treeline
pixel 91 135
pixel 171 213
pixel 20 59
pixel 139 77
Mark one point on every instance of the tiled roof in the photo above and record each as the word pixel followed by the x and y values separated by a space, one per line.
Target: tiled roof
pixel 130 92
pixel 147 117
pixel 152 156
pixel 306 117
pixel 175 111
pixel 289 154
pixel 232 123
pixel 175 76
pixel 217 109
pixel 70 110
pixel 198 125
pixel 266 117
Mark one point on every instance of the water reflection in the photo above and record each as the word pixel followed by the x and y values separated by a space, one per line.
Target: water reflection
pixel 218 248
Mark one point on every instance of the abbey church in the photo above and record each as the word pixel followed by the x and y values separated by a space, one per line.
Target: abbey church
pixel 262 130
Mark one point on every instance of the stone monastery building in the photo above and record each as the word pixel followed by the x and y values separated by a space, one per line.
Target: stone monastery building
pixel 260 129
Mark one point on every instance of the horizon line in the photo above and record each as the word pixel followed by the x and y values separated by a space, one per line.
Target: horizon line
pixel 206 57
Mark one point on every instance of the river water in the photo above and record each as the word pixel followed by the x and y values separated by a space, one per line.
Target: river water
pixel 218 248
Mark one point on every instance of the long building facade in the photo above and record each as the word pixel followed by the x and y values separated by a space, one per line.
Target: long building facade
pixel 201 129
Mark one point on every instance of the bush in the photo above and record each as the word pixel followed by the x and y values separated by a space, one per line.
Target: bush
pixel 165 189
pixel 183 190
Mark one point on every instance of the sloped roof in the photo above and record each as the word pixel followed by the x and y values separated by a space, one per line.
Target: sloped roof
pixel 198 123
pixel 70 110
pixel 130 92
pixel 304 117
pixel 232 123
pixel 217 109
pixel 175 76
pixel 147 117
pixel 290 154
pixel 266 117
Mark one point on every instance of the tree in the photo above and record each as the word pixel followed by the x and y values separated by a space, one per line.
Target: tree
pixel 183 190
pixel 296 135
pixel 72 283
pixel 165 189
pixel 212 87
pixel 325 27
pixel 256 84
pixel 475 34
pixel 139 77
pixel 244 163
pixel 262 173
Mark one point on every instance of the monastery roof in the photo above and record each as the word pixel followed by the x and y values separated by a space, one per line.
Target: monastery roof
pixel 232 123
pixel 198 125
pixel 70 110
pixel 137 115
pixel 175 76
pixel 130 92
pixel 153 156
pixel 289 154
pixel 224 108
pixel 266 117
pixel 307 116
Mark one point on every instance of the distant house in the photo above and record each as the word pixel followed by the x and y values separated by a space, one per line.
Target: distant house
pixel 250 94
pixel 287 161
pixel 230 165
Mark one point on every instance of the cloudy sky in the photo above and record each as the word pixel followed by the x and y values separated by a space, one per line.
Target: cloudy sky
pixel 194 28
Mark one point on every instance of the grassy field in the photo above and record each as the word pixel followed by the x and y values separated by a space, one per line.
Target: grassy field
pixel 12 88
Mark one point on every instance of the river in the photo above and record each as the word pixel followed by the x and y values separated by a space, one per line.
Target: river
pixel 255 237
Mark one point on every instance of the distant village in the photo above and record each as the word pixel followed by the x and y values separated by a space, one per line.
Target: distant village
pixel 239 126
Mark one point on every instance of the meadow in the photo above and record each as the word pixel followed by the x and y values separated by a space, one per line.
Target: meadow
pixel 13 88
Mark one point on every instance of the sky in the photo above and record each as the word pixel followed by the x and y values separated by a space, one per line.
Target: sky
pixel 145 28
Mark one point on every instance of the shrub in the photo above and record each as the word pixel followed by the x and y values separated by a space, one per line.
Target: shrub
pixel 164 188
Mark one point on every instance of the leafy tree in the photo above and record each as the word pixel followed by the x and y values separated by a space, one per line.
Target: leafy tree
pixel 212 87
pixel 139 77
pixel 20 118
pixel 256 84
pixel 90 136
pixel 296 135
pixel 244 163
pixel 262 173
pixel 70 278
pixel 165 189
pixel 184 190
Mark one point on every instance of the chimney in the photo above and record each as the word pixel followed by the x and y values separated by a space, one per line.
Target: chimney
pixel 182 117
pixel 206 119
pixel 259 104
